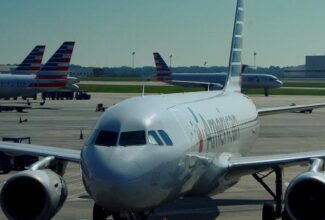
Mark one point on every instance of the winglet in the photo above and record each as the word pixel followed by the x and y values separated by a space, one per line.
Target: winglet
pixel 235 60
pixel 33 61
pixel 58 65
pixel 163 71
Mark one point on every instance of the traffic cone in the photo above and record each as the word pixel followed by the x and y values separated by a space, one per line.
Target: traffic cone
pixel 20 121
pixel 81 135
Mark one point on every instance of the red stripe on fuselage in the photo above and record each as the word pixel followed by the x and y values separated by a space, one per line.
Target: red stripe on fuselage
pixel 34 68
pixel 45 85
pixel 51 77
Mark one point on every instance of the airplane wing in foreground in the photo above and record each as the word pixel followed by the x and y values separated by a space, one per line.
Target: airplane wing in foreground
pixel 44 151
pixel 253 164
pixel 292 108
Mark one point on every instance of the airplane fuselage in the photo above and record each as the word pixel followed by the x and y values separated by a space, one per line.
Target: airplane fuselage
pixel 249 81
pixel 142 172
pixel 12 85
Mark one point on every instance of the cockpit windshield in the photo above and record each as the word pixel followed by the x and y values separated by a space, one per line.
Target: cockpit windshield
pixel 106 138
pixel 154 139
pixel 165 137
pixel 130 138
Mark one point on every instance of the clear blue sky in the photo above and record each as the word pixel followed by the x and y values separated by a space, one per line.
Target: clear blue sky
pixel 106 32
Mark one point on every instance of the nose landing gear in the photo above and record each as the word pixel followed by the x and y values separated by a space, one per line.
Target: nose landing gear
pixel 100 213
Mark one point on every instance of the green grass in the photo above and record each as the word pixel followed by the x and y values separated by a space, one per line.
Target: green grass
pixel 311 92
pixel 135 89
pixel 304 84
pixel 175 89
pixel 114 78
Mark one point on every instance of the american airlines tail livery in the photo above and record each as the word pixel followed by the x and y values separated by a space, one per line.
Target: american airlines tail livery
pixel 32 63
pixel 213 81
pixel 150 150
pixel 52 75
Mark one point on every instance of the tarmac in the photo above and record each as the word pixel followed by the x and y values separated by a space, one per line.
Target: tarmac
pixel 59 123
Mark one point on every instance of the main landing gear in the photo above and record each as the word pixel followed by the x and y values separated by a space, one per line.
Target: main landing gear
pixel 273 210
pixel 100 213
pixel 266 92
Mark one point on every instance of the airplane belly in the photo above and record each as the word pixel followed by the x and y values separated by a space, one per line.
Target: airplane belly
pixel 13 92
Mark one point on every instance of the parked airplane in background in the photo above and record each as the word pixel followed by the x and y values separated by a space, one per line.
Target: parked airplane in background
pixel 52 75
pixel 32 63
pixel 213 80
pixel 150 150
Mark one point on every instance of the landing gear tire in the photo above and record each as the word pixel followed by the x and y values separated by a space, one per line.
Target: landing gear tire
pixel 99 213
pixel 117 216
pixel 285 215
pixel 266 92
pixel 268 212
pixel 130 216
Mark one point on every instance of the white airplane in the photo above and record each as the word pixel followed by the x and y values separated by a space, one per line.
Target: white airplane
pixel 52 75
pixel 150 150
pixel 213 80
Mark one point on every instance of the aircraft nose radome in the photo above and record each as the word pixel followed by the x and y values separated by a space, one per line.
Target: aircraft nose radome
pixel 115 177
pixel 280 83
pixel 115 165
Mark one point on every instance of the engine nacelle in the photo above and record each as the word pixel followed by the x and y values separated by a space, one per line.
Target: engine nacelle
pixel 305 196
pixel 33 194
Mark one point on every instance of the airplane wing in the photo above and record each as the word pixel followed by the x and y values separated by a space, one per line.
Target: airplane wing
pixel 215 85
pixel 44 151
pixel 240 166
pixel 293 108
pixel 12 107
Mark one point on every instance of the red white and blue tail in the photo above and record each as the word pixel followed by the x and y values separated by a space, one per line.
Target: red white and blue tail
pixel 235 60
pixel 32 63
pixel 163 72
pixel 58 65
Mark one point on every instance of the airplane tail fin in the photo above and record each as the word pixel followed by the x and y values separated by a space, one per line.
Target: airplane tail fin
pixel 233 82
pixel 33 61
pixel 163 71
pixel 58 65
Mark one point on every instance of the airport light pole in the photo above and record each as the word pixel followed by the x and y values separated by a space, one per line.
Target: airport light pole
pixel 255 54
pixel 170 60
pixel 133 53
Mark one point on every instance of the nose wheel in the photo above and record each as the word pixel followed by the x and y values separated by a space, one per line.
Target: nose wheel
pixel 100 213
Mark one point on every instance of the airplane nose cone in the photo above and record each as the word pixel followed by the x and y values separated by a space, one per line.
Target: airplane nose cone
pixel 280 83
pixel 115 176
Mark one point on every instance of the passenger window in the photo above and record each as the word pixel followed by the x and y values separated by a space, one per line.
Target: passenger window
pixel 153 138
pixel 106 138
pixel 165 137
pixel 132 138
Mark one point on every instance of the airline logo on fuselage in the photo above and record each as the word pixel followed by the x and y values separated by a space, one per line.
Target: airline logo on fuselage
pixel 220 131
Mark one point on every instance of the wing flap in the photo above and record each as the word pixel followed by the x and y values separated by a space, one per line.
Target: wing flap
pixel 44 151
pixel 278 110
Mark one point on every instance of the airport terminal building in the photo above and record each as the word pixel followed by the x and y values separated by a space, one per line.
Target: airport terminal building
pixel 314 68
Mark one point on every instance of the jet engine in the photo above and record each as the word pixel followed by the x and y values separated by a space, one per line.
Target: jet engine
pixel 33 194
pixel 305 196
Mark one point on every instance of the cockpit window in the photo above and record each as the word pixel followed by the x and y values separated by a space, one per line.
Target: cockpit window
pixel 153 138
pixel 106 138
pixel 130 138
pixel 165 137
